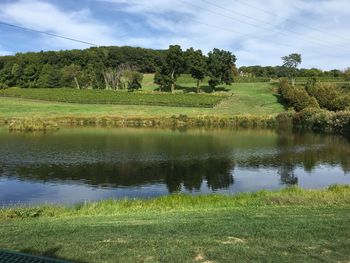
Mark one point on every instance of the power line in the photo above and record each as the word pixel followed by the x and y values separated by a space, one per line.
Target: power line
pixel 248 23
pixel 289 19
pixel 316 40
pixel 247 35
pixel 49 34
pixel 268 23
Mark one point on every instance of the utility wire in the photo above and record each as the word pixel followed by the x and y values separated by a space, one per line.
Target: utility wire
pixel 49 34
pixel 249 36
pixel 245 22
pixel 271 24
pixel 289 19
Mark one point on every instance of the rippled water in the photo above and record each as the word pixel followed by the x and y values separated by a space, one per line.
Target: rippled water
pixel 80 164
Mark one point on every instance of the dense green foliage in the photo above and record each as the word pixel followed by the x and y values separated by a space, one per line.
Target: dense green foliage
pixel 292 225
pixel 329 96
pixel 296 96
pixel 173 65
pixel 102 67
pixel 62 68
pixel 196 63
pixel 113 97
pixel 290 65
pixel 220 67
pixel 323 121
pixel 280 72
pixel 333 118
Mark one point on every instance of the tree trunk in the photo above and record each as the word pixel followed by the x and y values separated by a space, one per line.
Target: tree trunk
pixel 173 82
pixel 197 85
pixel 105 79
pixel 76 82
pixel 293 81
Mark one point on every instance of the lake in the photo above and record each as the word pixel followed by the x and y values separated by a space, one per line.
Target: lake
pixel 79 164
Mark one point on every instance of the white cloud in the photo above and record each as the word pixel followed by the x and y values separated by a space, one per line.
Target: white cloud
pixel 318 29
pixel 4 52
pixel 46 17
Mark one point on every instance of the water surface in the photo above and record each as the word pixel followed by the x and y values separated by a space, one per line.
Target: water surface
pixel 74 165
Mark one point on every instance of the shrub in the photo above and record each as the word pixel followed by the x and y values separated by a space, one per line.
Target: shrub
pixel 297 97
pixel 32 125
pixel 285 119
pixel 323 120
pixel 3 86
pixel 329 96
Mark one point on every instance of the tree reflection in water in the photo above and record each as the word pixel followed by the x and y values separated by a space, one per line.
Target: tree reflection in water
pixel 191 161
pixel 190 174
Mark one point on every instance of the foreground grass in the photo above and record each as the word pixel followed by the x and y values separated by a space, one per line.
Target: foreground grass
pixel 287 226
pixel 244 99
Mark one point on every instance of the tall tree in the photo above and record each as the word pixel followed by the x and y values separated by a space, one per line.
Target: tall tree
pixel 134 80
pixel 173 65
pixel 70 76
pixel 163 79
pixel 220 65
pixel 291 63
pixel 49 77
pixel 196 64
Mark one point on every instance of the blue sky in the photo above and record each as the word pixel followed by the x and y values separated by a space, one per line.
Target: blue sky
pixel 256 31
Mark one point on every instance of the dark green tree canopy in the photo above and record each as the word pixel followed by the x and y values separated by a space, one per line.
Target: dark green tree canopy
pixel 220 67
pixel 292 60
pixel 49 77
pixel 172 67
pixel 196 64
pixel 290 63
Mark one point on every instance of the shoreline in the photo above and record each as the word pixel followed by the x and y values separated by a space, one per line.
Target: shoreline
pixel 334 195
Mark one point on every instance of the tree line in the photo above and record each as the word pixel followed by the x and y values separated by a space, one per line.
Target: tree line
pixel 115 68
pixel 96 67
pixel 280 72
pixel 121 68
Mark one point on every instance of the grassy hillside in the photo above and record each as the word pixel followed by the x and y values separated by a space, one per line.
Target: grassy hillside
pixel 115 97
pixel 292 225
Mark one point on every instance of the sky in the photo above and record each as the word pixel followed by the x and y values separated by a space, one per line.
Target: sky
pixel 258 32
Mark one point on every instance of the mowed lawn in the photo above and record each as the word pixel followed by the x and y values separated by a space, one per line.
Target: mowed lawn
pixel 243 99
pixel 312 226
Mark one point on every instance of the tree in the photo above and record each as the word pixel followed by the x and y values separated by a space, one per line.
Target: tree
pixel 134 80
pixel 163 79
pixel 196 64
pixel 172 67
pixel 290 63
pixel 124 76
pixel 49 77
pixel 30 76
pixel 220 65
pixel 70 76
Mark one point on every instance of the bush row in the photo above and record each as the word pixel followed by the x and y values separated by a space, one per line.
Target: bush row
pixel 329 96
pixel 296 96
pixel 319 120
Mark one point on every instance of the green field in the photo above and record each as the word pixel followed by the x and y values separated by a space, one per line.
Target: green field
pixel 288 226
pixel 114 97
pixel 243 99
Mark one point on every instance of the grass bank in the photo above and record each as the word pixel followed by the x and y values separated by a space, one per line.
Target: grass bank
pixel 291 225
